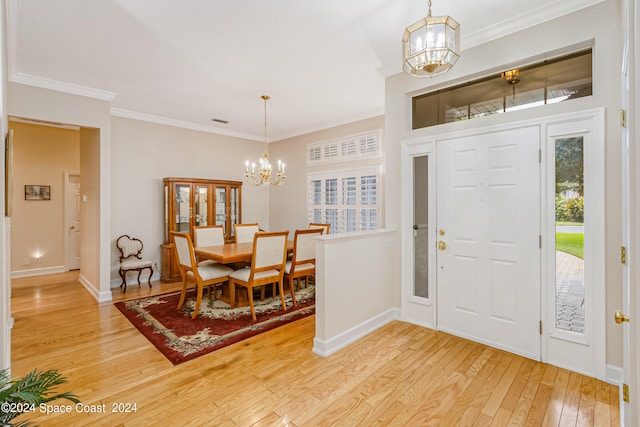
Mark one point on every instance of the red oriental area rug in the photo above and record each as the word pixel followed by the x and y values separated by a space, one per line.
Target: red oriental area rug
pixel 181 338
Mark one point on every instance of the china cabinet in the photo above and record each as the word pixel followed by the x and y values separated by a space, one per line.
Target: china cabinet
pixel 191 202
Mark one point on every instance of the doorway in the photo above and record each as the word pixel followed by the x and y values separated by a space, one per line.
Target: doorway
pixel 491 252
pixel 45 153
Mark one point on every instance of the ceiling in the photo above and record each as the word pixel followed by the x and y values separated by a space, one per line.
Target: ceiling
pixel 186 62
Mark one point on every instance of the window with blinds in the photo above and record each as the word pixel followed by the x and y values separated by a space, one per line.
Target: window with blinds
pixel 348 200
pixel 346 149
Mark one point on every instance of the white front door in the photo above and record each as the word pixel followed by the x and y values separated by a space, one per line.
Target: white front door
pixel 72 215
pixel 488 231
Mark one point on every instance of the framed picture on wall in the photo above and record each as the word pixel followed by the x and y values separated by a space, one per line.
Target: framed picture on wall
pixel 37 192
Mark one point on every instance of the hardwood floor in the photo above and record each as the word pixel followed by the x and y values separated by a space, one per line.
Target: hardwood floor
pixel 400 375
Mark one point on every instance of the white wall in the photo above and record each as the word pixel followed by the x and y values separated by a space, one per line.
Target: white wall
pixel 355 284
pixel 600 23
pixel 144 153
pixel 5 281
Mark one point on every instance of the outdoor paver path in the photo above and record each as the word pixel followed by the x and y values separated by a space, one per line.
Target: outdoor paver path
pixel 569 292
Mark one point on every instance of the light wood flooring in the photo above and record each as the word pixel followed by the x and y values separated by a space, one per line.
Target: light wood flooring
pixel 399 375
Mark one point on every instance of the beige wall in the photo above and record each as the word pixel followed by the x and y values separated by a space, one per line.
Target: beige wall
pixel 288 204
pixel 90 206
pixel 144 153
pixel 42 154
pixel 600 23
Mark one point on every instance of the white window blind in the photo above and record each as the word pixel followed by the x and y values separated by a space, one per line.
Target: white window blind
pixel 345 149
pixel 348 200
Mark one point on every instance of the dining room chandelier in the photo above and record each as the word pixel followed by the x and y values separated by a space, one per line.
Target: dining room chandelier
pixel 264 174
pixel 429 46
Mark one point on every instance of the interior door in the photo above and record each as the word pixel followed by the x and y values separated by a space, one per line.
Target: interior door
pixel 73 198
pixel 488 257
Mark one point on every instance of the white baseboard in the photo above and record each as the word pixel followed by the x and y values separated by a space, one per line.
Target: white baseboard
pixel 325 348
pixel 100 296
pixel 38 271
pixel 615 375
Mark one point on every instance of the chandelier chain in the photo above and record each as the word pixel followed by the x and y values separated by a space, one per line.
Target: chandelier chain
pixel 266 98
pixel 264 174
pixel 429 13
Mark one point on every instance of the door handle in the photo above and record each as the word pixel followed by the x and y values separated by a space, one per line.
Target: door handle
pixel 73 227
pixel 621 317
pixel 442 245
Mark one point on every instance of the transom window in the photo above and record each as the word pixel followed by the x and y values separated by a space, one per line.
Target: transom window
pixel 346 149
pixel 551 81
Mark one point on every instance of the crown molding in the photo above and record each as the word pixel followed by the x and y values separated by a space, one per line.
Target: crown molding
pixel 13 75
pixel 127 114
pixel 504 28
pixel 345 121
pixel 525 20
pixel 59 86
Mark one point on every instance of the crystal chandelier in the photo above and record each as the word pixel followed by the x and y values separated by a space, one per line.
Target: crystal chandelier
pixel 429 45
pixel 264 174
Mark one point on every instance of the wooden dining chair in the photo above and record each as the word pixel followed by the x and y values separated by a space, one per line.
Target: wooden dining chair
pixel 303 261
pixel 204 275
pixel 244 232
pixel 324 227
pixel 267 267
pixel 207 235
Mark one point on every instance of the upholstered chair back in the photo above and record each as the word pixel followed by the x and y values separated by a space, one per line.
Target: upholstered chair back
pixel 244 232
pixel 208 235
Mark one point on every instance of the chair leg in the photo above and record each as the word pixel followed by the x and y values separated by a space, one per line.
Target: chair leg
pixel 139 273
pixel 184 289
pixel 284 304
pixel 150 274
pixel 293 293
pixel 123 285
pixel 253 309
pixel 198 300
pixel 232 294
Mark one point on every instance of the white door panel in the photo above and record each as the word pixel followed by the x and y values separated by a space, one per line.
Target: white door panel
pixel 488 216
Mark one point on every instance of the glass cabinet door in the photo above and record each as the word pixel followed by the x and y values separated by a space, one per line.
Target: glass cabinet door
pixel 167 228
pixel 221 207
pixel 234 207
pixel 202 205
pixel 183 208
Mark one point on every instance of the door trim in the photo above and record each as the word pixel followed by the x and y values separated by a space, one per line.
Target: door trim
pixel 417 310
pixel 67 219
pixel 406 221
pixel 586 353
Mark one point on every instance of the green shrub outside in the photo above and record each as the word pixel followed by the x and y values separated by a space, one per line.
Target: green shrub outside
pixel 570 209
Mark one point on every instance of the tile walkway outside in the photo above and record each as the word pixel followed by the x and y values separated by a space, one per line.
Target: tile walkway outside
pixel 569 292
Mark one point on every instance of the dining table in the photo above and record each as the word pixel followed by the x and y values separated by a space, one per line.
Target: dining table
pixel 237 255
pixel 231 253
